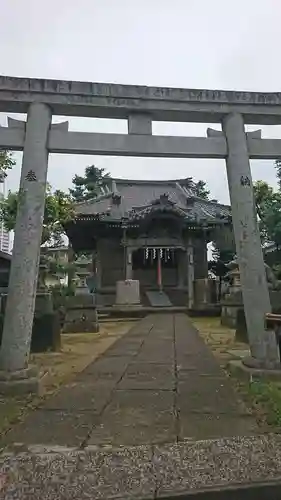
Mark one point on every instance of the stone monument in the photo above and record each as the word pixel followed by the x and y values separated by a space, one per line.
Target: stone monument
pixel 127 293
pixel 81 309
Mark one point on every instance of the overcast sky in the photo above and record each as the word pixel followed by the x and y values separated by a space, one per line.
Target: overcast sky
pixel 179 43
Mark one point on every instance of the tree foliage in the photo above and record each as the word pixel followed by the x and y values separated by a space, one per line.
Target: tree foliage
pixel 263 193
pixel 201 190
pixel 268 206
pixel 278 173
pixel 60 267
pixel 90 185
pixel 7 162
pixel 270 222
pixel 217 265
pixel 58 210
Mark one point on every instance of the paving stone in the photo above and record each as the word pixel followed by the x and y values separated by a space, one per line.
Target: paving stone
pixel 148 376
pixel 209 426
pixel 163 336
pixel 52 427
pixel 128 339
pixel 131 395
pixel 136 338
pixel 205 363
pixel 191 372
pixel 138 335
pixel 151 342
pixel 114 367
pixel 207 396
pixel 158 356
pixel 136 417
pixel 91 396
pixel 125 349
pixel 195 381
pixel 191 348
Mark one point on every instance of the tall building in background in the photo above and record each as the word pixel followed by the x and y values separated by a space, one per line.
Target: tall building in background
pixel 4 234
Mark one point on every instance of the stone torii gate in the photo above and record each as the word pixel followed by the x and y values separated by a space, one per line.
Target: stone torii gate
pixel 41 99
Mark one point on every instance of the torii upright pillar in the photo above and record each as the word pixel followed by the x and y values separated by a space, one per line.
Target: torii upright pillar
pixel 14 355
pixel 248 245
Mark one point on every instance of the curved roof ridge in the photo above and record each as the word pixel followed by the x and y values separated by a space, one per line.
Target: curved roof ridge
pixel 100 197
pixel 184 180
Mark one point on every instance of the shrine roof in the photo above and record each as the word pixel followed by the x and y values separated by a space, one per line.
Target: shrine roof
pixel 135 199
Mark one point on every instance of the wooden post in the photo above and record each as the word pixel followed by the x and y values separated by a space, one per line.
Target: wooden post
pixel 129 263
pixel 159 270
pixel 190 274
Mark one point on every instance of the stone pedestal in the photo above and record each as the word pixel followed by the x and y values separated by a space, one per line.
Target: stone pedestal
pixel 232 310
pixel 43 302
pixel 46 328
pixel 81 314
pixel 230 305
pixel 127 293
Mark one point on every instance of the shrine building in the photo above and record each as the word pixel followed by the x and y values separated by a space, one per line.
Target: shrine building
pixel 155 232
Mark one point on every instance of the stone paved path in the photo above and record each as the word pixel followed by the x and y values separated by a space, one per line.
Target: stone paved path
pixel 153 417
pixel 157 384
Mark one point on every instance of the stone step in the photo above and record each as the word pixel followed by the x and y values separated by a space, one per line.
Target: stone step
pixel 158 299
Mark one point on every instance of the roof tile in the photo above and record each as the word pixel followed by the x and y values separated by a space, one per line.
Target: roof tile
pixel 138 198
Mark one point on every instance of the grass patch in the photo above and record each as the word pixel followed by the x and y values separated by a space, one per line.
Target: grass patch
pixel 262 397
pixel 220 339
pixel 266 397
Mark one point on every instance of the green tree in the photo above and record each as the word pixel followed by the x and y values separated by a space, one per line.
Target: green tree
pixel 58 210
pixel 90 185
pixel 268 207
pixel 7 162
pixel 220 257
pixel 201 190
pixel 270 222
pixel 263 194
pixel 278 172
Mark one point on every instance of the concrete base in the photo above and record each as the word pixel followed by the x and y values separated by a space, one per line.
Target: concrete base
pixel 127 307
pixel 238 368
pixel 272 361
pixel 26 381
